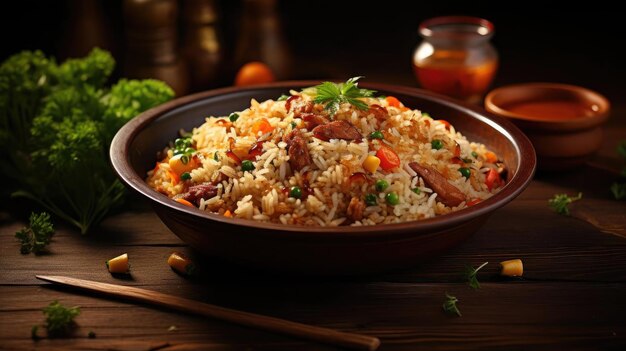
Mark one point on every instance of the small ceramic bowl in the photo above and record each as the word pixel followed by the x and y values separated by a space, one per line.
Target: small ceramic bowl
pixel 564 122
pixel 316 250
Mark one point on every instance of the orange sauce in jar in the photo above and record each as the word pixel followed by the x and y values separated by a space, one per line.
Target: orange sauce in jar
pixel 552 109
pixel 447 73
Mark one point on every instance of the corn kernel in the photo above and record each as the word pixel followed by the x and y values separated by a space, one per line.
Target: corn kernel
pixel 371 163
pixel 512 268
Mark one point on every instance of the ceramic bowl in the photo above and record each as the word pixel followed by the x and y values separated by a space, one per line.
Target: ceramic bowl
pixel 315 250
pixel 559 143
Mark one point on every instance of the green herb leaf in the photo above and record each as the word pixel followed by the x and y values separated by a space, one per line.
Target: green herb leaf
pixel 471 275
pixel 332 95
pixel 619 190
pixel 560 202
pixel 59 319
pixel 36 236
pixel 621 148
pixel 449 305
pixel 283 97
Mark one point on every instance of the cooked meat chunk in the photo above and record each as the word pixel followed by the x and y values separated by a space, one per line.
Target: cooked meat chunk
pixel 200 191
pixel 355 209
pixel 447 193
pixel 337 130
pixel 297 150
pixel 379 112
pixel 313 120
pixel 298 105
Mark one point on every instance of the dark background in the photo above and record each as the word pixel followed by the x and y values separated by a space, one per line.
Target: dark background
pixel 333 39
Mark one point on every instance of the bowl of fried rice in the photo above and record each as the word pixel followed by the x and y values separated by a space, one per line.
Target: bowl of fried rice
pixel 322 177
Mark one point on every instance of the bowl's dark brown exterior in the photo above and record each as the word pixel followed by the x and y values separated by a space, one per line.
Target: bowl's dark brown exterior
pixel 315 250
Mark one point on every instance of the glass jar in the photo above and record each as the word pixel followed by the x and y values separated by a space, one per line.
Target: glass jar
pixel 456 58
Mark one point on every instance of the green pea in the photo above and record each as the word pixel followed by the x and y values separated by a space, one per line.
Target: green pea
pixel 436 144
pixel 377 135
pixel 465 172
pixel 371 200
pixel 295 192
pixel 416 190
pixel 233 117
pixel 474 154
pixel 392 198
pixel 381 185
pixel 185 176
pixel 247 165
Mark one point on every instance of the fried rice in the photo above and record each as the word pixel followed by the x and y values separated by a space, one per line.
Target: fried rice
pixel 295 161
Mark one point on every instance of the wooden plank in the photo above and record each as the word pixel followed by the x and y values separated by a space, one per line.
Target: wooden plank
pixel 500 315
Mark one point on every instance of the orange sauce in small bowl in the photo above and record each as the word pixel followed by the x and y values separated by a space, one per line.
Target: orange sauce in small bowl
pixel 552 109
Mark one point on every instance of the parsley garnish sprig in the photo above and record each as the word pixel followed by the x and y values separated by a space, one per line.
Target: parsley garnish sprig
pixel 471 275
pixel 449 305
pixel 334 94
pixel 560 202
pixel 59 320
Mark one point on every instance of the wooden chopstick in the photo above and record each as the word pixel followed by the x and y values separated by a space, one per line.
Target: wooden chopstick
pixel 309 332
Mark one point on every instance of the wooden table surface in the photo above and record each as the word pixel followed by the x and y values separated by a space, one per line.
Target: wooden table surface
pixel 572 295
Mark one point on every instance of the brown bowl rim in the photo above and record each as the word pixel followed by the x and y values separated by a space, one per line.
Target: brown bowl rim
pixel 121 164
pixel 596 119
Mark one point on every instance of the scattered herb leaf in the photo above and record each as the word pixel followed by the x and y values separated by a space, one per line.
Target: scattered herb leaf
pixel 619 188
pixel 334 94
pixel 560 202
pixel 282 97
pixel 36 236
pixel 449 305
pixel 59 320
pixel 471 275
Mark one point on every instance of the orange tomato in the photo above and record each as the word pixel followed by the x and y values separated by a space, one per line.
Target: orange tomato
pixel 263 126
pixel 393 101
pixel 388 158
pixel 254 73
pixel 492 179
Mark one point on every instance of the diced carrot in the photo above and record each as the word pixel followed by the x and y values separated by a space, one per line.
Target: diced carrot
pixel 492 179
pixel 185 202
pixel 388 158
pixel 174 178
pixel 473 202
pixel 490 157
pixel 228 214
pixel 263 126
pixel 393 101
